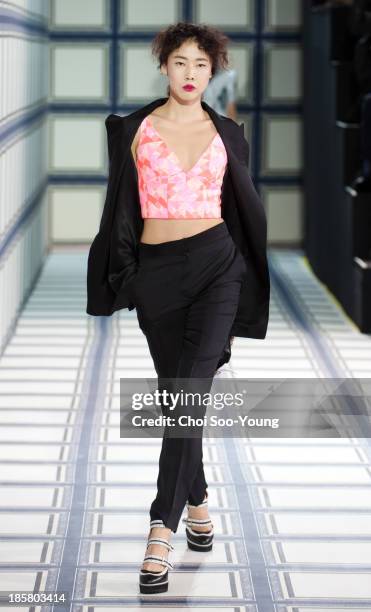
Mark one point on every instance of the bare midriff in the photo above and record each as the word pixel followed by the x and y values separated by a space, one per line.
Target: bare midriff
pixel 156 231
pixel 164 230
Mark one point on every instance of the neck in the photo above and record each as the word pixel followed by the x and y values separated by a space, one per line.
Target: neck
pixel 181 111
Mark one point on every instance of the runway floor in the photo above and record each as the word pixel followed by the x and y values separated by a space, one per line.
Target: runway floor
pixel 292 516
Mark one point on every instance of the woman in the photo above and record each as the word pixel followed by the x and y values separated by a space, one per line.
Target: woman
pixel 186 282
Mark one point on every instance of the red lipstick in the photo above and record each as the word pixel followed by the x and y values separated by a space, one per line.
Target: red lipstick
pixel 189 87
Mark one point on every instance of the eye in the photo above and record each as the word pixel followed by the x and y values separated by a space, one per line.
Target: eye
pixel 179 63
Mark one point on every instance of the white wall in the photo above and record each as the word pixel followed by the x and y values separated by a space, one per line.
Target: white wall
pixel 23 154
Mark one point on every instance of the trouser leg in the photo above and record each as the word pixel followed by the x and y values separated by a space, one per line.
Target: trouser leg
pixel 208 322
pixel 199 485
pixel 187 326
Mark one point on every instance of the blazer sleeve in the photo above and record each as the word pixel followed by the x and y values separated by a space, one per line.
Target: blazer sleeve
pixel 245 145
pixel 113 124
pixel 125 226
pixel 101 295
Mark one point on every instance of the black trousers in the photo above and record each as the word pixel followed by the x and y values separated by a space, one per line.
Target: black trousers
pixel 186 294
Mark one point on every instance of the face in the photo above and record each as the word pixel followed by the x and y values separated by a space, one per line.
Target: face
pixel 188 65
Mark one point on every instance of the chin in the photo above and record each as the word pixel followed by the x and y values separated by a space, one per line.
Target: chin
pixel 195 93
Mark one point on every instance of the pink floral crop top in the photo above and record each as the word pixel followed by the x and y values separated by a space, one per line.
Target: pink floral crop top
pixel 166 191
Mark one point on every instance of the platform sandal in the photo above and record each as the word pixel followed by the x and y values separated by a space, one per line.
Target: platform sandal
pixel 151 582
pixel 201 541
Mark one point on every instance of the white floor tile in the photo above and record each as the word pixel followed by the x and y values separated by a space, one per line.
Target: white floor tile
pixel 35 434
pixel 39 400
pixel 31 472
pixel 125 473
pixel 325 523
pixel 30 417
pixel 311 474
pixel 132 453
pixel 18 581
pixel 324 552
pixel 181 584
pixel 131 524
pixel 315 497
pixel 129 497
pixel 142 497
pixel 62 388
pixel 322 609
pixel 24 552
pixel 13 523
pixel 308 454
pixel 27 497
pixel 29 452
pixel 202 608
pixel 334 585
pixel 133 552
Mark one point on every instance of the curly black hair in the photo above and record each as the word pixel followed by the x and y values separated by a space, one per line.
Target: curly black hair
pixel 209 39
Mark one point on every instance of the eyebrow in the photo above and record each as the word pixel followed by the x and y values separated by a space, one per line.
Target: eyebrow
pixel 204 59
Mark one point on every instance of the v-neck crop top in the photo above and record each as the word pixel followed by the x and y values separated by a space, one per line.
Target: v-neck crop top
pixel 166 191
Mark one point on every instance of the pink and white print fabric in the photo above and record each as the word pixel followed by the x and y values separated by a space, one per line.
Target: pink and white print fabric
pixel 167 191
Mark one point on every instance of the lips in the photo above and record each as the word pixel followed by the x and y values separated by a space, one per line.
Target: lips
pixel 189 87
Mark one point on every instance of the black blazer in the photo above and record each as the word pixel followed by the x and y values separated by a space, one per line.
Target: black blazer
pixel 112 260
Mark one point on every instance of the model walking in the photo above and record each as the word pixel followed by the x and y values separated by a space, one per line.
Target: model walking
pixel 187 278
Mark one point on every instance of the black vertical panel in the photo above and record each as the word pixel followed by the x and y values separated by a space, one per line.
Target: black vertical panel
pixel 331 155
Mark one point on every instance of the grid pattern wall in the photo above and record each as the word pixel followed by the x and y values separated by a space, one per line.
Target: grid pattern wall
pixel 101 62
pixel 23 153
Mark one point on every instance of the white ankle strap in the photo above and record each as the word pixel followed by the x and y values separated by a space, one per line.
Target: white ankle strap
pixel 157 523
pixel 160 560
pixel 191 521
pixel 160 541
pixel 200 534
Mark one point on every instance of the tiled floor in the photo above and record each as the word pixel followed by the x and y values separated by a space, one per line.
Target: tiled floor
pixel 292 516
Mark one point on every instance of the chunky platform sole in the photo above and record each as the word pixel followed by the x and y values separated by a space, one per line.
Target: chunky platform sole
pixel 204 542
pixel 151 583
pixel 200 541
pixel 153 588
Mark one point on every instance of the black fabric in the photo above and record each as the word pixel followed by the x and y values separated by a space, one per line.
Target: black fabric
pixel 360 19
pixel 366 135
pixel 186 294
pixel 362 63
pixel 113 255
